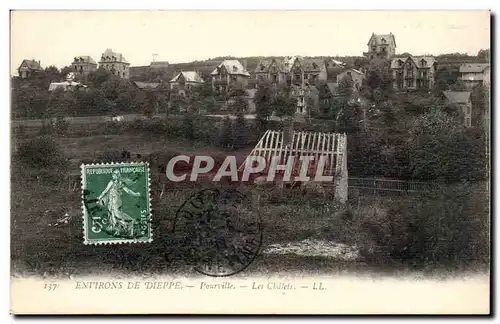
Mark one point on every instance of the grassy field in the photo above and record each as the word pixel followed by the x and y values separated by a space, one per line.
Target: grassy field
pixel 40 245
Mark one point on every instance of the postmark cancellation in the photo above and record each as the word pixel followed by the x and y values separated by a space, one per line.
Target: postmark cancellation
pixel 116 203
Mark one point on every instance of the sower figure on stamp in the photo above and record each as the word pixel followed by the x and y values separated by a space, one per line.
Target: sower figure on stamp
pixel 119 223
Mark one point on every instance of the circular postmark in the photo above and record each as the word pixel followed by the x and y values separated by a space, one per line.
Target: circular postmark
pixel 221 231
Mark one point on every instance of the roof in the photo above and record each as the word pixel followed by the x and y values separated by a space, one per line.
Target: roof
pixel 232 67
pixel 417 60
pixel 146 85
pixel 189 76
pixel 473 67
pixel 64 85
pixel 118 57
pixel 283 64
pixel 84 59
pixel 378 38
pixel 457 97
pixel 310 64
pixel 31 65
pixel 338 62
pixel 159 64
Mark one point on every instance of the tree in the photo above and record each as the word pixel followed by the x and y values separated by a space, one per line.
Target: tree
pixel 440 148
pixel 484 55
pixel 379 78
pixel 226 133
pixel 283 104
pixel 240 131
pixel 98 77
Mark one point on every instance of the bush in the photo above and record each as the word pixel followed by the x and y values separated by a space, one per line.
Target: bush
pixel 41 152
pixel 449 228
pixel 61 126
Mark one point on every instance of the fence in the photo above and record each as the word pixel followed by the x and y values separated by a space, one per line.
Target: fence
pixel 374 185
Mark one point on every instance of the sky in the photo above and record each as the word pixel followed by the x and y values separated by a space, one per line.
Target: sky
pixel 55 37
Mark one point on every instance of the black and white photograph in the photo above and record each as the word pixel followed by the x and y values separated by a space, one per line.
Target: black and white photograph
pixel 250 162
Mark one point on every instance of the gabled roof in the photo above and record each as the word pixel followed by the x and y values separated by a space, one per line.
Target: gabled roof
pixel 232 67
pixel 310 64
pixel 84 59
pixel 31 65
pixel 417 60
pixel 110 53
pixel 189 76
pixel 283 64
pixel 146 85
pixel 64 85
pixel 473 67
pixel 378 39
pixel 457 97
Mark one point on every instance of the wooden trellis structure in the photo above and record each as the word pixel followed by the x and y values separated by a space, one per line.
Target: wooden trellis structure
pixel 290 143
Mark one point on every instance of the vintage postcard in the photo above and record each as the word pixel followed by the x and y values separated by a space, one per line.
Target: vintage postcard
pixel 250 162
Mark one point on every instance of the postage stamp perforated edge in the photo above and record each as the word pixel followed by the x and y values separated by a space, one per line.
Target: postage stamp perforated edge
pixel 86 241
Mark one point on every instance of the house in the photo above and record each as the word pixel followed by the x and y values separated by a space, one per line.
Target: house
pixel 356 76
pixel 473 74
pixel 185 80
pixel 115 63
pixel 383 46
pixel 83 65
pixel 28 68
pixel 229 73
pixel 461 100
pixel 413 72
pixel 307 71
pixel 273 70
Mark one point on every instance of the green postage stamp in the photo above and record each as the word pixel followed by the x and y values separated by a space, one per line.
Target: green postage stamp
pixel 116 203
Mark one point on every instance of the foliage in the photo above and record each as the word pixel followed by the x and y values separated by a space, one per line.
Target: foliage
pixel 440 148
pixel 446 227
pixel 41 152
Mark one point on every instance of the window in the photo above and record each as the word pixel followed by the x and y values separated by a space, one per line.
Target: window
pixel 383 40
pixel 260 77
pixel 235 68
pixel 306 76
pixel 315 66
pixel 374 48
pixel 234 78
pixel 274 77
pixel 262 67
pixel 423 62
pixel 467 122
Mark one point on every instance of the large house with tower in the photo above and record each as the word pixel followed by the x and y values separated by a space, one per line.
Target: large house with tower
pixel 381 46
pixel 115 63
pixel 83 65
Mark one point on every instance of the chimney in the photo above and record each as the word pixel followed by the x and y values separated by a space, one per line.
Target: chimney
pixel 244 63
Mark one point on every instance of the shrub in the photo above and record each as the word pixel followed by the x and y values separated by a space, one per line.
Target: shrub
pixel 61 126
pixel 41 152
pixel 448 227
